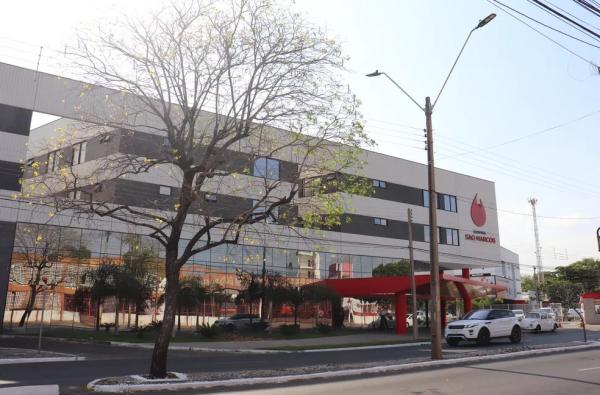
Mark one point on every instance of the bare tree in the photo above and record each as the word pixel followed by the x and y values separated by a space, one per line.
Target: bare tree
pixel 37 253
pixel 209 93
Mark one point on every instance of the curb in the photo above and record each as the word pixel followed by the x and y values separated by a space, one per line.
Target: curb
pixel 195 385
pixel 269 351
pixel 14 361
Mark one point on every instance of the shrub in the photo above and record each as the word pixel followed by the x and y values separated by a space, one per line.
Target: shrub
pixel 323 328
pixel 208 331
pixel 108 326
pixel 257 326
pixel 289 330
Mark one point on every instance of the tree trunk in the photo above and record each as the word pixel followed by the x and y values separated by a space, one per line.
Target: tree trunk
pixel 117 303
pixel 296 315
pixel 29 307
pixel 98 304
pixel 179 319
pixel 128 315
pixel 158 366
pixel 137 316
pixel 197 318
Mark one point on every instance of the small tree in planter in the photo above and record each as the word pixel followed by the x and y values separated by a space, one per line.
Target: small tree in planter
pixel 38 248
pixel 102 285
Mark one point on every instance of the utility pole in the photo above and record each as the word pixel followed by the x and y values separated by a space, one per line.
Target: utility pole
pixel 538 248
pixel 537 288
pixel 436 319
pixel 264 283
pixel 436 330
pixel 413 282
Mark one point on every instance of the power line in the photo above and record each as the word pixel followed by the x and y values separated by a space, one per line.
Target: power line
pixel 547 26
pixel 546 36
pixel 572 15
pixel 546 130
pixel 567 18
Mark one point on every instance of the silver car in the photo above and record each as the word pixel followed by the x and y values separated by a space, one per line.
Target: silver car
pixel 237 321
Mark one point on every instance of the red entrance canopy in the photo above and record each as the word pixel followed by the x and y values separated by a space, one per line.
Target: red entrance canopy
pixel 451 287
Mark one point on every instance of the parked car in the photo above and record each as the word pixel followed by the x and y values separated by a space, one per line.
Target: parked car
pixel 237 321
pixel 409 320
pixel 482 326
pixel 549 311
pixel 520 314
pixel 538 321
pixel 572 314
pixel 420 316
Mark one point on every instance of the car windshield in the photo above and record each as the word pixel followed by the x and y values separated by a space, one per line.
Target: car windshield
pixel 238 316
pixel 477 315
pixel 532 315
pixel 518 311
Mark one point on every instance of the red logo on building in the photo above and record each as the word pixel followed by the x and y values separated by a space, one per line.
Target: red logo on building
pixel 478 212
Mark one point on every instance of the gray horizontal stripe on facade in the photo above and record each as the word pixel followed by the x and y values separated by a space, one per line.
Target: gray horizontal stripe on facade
pixel 10 173
pixel 13 147
pixel 365 225
pixel 15 120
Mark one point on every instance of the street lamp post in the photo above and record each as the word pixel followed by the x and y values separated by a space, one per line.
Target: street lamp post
pixel 436 330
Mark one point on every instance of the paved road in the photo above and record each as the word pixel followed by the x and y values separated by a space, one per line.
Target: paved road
pixel 571 373
pixel 104 360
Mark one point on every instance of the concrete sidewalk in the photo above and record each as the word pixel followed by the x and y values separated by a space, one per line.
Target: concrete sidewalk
pixel 9 355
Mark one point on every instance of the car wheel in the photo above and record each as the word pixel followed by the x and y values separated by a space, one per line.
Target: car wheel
pixel 230 327
pixel 483 337
pixel 452 342
pixel 554 328
pixel 538 329
pixel 515 334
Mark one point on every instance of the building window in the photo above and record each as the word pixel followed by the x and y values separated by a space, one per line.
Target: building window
pixel 210 197
pixel 448 236
pixel 426 237
pixel 164 190
pixel 75 195
pixel 380 221
pixel 105 139
pixel 260 208
pixel 446 202
pixel 425 198
pixel 78 155
pixel 53 160
pixel 166 141
pixel 379 184
pixel 266 168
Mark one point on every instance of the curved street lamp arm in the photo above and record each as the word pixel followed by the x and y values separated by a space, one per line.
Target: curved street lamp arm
pixel 403 91
pixel 452 69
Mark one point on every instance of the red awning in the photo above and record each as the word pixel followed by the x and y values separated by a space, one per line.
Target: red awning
pixel 451 287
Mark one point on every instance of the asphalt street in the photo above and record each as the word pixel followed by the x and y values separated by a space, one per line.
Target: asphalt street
pixel 569 373
pixel 105 360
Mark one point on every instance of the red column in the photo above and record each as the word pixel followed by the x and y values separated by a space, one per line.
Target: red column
pixel 467 300
pixel 443 313
pixel 401 314
pixel 466 273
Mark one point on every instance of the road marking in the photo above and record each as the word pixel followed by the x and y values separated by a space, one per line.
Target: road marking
pixel 586 369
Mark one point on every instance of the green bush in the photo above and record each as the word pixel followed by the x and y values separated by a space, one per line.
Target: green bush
pixel 289 330
pixel 208 331
pixel 323 328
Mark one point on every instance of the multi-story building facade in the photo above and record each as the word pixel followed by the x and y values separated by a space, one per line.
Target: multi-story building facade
pixel 373 232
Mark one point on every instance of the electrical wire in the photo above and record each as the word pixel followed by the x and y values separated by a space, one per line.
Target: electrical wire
pixel 546 130
pixel 545 25
pixel 546 36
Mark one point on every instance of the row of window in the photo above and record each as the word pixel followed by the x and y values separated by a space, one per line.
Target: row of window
pixel 444 201
pixel 77 156
pixel 448 236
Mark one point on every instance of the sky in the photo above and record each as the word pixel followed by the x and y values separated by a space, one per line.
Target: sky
pixel 518 109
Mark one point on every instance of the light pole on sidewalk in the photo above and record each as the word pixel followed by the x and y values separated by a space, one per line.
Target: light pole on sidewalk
pixel 436 330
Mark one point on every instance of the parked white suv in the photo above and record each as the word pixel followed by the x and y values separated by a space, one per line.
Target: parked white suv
pixel 482 326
